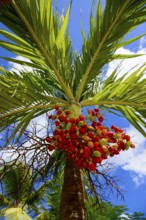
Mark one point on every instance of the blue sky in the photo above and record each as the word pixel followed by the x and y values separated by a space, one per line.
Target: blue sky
pixel 130 167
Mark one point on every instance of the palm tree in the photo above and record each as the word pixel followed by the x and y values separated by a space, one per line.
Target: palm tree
pixel 64 77
pixel 18 194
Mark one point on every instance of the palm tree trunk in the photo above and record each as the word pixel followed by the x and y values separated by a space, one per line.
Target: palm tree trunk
pixel 72 205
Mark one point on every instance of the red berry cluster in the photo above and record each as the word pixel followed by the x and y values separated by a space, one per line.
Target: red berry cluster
pixel 86 140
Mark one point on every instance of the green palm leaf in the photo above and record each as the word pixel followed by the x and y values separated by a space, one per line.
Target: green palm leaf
pixel 58 75
pixel 24 97
pixel 17 188
pixel 106 33
pixel 45 41
pixel 5 202
pixel 126 94
pixel 16 214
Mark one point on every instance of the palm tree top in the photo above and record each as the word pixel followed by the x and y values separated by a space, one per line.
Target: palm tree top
pixel 61 75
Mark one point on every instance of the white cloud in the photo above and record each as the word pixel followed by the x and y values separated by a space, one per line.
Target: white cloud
pixel 133 160
pixel 18 67
pixel 142 43
pixel 124 216
pixel 39 125
pixel 127 65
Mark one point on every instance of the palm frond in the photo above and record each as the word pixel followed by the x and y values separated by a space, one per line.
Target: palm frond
pixel 126 94
pixel 17 188
pixel 11 213
pixel 25 96
pixel 107 31
pixel 40 37
pixel 37 194
pixel 5 202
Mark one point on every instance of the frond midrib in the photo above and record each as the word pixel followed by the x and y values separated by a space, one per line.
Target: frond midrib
pixel 42 106
pixel 84 80
pixel 64 86
pixel 107 102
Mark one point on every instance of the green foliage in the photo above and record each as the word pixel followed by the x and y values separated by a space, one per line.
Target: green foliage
pixel 16 214
pixel 105 211
pixel 125 94
pixel 137 216
pixel 107 30
pixel 19 192
pixel 61 76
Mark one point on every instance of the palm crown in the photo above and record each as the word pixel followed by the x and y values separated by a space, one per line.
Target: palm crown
pixel 60 75
pixel 18 191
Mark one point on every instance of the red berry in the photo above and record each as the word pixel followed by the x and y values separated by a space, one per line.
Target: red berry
pixel 96 109
pixel 113 127
pixel 48 139
pixel 81 117
pixel 92 166
pixel 116 151
pixel 87 149
pixel 90 134
pixel 59 145
pixel 86 155
pixel 90 112
pixel 73 129
pixel 62 118
pixel 121 145
pixel 111 149
pixel 72 148
pixel 56 132
pixel 66 131
pixel 59 139
pixel 67 112
pixel 127 137
pixel 104 156
pixel 121 130
pixel 77 143
pixel 50 147
pixel 77 120
pixel 96 144
pixel 72 120
pixel 110 134
pixel 56 107
pixel 85 164
pixel 79 162
pixel 59 112
pixel 57 123
pixel 100 119
pixel 73 136
pixel 96 138
pixel 97 159
pixel 82 131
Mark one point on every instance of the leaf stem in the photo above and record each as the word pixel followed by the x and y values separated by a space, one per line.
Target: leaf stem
pixel 88 70
pixel 106 102
pixel 64 86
